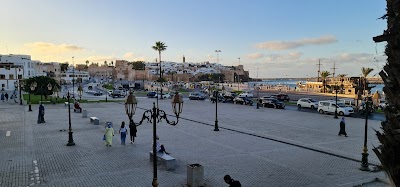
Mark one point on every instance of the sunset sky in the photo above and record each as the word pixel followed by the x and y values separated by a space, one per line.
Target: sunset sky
pixel 280 38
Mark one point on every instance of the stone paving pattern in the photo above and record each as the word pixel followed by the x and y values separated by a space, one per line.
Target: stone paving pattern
pixel 235 149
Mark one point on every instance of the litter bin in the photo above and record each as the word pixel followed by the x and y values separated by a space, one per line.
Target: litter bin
pixel 195 175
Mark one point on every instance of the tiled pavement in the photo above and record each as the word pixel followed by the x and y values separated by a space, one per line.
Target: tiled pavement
pixel 256 147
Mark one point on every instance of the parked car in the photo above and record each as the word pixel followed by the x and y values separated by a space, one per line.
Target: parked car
pixel 110 92
pixel 196 96
pixel 116 93
pixel 246 94
pixel 272 103
pixel 243 100
pixel 165 95
pixel 98 93
pixel 382 104
pixel 307 103
pixel 330 107
pixel 213 98
pixel 281 97
pixel 152 95
pixel 268 97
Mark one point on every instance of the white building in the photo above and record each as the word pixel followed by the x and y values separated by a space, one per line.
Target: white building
pixel 80 76
pixel 14 68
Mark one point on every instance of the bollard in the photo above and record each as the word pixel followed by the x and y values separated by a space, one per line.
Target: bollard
pixel 84 114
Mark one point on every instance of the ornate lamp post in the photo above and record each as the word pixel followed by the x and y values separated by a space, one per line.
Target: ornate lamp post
pixel 70 138
pixel 216 94
pixel 364 160
pixel 21 85
pixel 32 87
pixel 336 89
pixel 80 92
pixel 154 115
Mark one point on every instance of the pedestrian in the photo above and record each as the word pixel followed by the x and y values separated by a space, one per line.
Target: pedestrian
pixel 2 97
pixel 342 128
pixel 160 147
pixel 231 182
pixel 6 96
pixel 132 131
pixel 109 134
pixel 41 114
pixel 123 131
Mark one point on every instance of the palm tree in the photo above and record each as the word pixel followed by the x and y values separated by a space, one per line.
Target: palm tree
pixel 389 135
pixel 160 46
pixel 87 63
pixel 366 72
pixel 342 76
pixel 324 75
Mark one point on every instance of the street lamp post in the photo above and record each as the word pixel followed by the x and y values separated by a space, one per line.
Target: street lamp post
pixel 70 138
pixel 336 89
pixel 154 115
pixel 21 85
pixel 364 160
pixel 32 87
pixel 216 94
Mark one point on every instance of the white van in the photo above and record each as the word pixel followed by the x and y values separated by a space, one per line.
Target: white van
pixel 330 106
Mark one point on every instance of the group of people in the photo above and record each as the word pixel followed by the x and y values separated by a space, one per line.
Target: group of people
pixel 123 131
pixel 4 97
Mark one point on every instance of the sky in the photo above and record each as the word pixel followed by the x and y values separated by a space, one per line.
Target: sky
pixel 271 38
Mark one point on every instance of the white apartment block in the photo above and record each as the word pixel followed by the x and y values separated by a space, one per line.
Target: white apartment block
pixel 10 74
pixel 20 60
pixel 73 74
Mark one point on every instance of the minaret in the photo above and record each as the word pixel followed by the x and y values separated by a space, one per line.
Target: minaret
pixel 184 58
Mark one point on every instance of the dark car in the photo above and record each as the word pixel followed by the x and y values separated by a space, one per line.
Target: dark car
pixel 213 98
pixel 116 93
pixel 229 97
pixel 272 103
pixel 152 94
pixel 281 97
pixel 98 94
pixel 243 101
pixel 196 96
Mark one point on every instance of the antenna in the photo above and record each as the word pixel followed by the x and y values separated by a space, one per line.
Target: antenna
pixel 334 68
pixel 319 68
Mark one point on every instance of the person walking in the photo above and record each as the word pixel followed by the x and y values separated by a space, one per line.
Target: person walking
pixel 123 131
pixel 231 182
pixel 41 114
pixel 2 97
pixel 132 132
pixel 109 134
pixel 6 96
pixel 342 128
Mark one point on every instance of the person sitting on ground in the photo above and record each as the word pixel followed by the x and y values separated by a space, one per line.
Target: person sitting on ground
pixel 77 106
pixel 231 182
pixel 159 147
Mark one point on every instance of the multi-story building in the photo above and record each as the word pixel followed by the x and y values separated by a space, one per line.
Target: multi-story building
pixel 73 74
pixel 100 71
pixel 10 74
pixel 28 67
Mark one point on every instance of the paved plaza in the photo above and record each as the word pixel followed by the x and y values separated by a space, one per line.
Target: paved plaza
pixel 259 147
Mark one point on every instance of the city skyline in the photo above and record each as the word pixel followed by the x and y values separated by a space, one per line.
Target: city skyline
pixel 272 39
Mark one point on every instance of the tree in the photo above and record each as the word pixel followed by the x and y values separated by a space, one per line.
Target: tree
pixel 342 76
pixel 87 64
pixel 64 66
pixel 105 63
pixel 112 63
pixel 138 65
pixel 160 46
pixel 389 150
pixel 365 72
pixel 41 85
pixel 324 75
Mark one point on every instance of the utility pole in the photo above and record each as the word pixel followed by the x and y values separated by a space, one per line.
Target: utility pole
pixel 319 69
pixel 334 68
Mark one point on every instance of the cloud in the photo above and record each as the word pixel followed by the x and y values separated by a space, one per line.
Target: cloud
pixel 129 56
pixel 283 45
pixel 279 58
pixel 50 48
pixel 255 55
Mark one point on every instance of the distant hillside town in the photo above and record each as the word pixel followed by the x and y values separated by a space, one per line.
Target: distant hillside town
pixel 16 67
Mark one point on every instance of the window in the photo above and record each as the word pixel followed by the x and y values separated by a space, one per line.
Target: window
pixel 2 76
pixel 19 76
pixel 11 76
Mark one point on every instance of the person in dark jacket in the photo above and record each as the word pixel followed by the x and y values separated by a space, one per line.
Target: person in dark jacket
pixel 41 114
pixel 342 128
pixel 133 130
pixel 231 182
pixel 6 95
